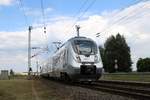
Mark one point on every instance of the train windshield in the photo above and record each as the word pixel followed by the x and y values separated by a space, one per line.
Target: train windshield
pixel 84 47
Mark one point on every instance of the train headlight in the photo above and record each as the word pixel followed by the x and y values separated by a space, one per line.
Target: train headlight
pixel 78 58
pixel 96 58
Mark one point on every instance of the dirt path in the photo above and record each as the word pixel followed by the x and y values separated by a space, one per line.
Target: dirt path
pixel 35 95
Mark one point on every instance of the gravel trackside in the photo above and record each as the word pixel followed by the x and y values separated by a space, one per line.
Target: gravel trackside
pixel 69 92
pixel 42 89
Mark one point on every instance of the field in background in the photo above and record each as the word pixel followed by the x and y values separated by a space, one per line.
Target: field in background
pixel 134 76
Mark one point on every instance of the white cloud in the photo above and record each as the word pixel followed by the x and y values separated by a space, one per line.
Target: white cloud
pixel 13 48
pixel 6 2
pixel 36 11
pixel 132 22
pixel 47 10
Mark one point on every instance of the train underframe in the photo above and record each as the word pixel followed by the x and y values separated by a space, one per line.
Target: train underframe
pixel 86 73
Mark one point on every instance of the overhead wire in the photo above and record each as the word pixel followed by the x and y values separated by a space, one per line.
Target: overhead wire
pixel 21 6
pixel 83 13
pixel 126 17
pixel 44 23
pixel 43 13
pixel 77 13
pixel 81 7
pixel 89 6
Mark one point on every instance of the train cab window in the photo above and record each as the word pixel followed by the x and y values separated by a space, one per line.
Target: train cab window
pixel 84 47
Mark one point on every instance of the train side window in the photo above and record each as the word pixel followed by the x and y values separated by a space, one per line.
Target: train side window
pixel 66 55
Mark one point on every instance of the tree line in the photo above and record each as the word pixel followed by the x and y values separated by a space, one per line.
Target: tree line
pixel 143 65
pixel 116 56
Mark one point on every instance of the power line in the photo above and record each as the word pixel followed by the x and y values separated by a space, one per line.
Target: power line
pixel 89 6
pixel 78 11
pixel 126 17
pixel 81 15
pixel 82 6
pixel 21 6
pixel 43 13
pixel 44 24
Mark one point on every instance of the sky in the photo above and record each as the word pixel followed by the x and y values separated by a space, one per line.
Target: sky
pixel 108 17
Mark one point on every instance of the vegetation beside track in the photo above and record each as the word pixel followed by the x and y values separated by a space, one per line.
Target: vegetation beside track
pixel 141 77
pixel 43 89
pixel 15 90
pixel 23 89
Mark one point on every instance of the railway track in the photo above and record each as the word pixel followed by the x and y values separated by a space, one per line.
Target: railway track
pixel 137 90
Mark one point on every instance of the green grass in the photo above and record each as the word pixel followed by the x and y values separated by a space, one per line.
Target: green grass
pixel 46 91
pixel 22 89
pixel 141 77
pixel 15 90
pixel 19 88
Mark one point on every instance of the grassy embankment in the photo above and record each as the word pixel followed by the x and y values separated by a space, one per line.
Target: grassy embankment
pixel 142 77
pixel 20 88
pixel 15 89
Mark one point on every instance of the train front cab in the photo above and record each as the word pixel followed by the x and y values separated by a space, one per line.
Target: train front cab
pixel 86 73
pixel 85 63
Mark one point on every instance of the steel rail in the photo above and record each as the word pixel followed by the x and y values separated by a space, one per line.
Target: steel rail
pixel 138 90
pixel 121 92
pixel 127 89
pixel 129 83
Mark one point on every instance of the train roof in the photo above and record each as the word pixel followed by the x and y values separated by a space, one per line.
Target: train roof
pixel 80 38
pixel 76 38
pixel 72 40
